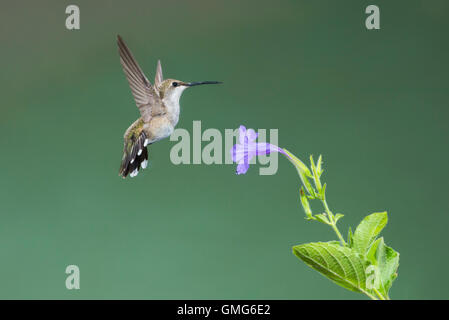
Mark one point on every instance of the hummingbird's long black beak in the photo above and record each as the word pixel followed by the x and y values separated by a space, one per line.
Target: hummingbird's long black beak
pixel 191 84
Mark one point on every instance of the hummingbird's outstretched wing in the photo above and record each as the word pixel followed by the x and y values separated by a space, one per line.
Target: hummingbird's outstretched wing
pixel 146 97
pixel 158 78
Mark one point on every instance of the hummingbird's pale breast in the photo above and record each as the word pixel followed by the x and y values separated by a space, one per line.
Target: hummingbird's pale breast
pixel 162 126
pixel 171 102
pixel 158 128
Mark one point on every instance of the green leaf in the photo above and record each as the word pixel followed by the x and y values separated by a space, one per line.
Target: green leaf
pixel 322 218
pixel 316 176
pixel 367 231
pixel 387 260
pixel 319 165
pixel 338 216
pixel 323 192
pixel 350 236
pixel 371 253
pixel 298 163
pixel 340 264
pixel 303 172
pixel 305 204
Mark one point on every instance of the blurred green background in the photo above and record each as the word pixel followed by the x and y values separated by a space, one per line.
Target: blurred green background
pixel 374 103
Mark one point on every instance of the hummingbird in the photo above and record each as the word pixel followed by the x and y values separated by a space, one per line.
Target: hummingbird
pixel 159 110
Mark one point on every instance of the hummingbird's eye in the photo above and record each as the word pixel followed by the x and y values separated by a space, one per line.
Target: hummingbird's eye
pixel 174 84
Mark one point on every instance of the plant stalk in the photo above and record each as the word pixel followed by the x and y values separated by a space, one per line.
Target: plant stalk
pixel 333 223
pixel 381 297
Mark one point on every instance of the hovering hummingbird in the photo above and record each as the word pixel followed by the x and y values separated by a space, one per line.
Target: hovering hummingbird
pixel 159 110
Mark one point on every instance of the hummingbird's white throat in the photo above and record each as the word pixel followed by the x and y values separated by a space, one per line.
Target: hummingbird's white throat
pixel 171 102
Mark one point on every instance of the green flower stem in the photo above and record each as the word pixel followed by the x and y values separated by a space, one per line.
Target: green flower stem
pixel 333 223
pixel 334 226
pixel 381 297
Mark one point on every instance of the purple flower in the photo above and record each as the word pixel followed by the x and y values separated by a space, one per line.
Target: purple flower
pixel 247 148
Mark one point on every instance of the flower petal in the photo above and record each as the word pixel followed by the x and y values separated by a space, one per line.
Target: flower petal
pixel 234 152
pixel 243 152
pixel 251 150
pixel 239 151
pixel 252 135
pixel 242 134
pixel 242 167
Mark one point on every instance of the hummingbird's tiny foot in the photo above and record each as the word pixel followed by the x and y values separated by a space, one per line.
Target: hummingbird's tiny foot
pixel 144 164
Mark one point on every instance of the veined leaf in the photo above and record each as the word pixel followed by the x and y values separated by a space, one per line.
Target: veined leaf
pixel 367 231
pixel 387 261
pixel 340 264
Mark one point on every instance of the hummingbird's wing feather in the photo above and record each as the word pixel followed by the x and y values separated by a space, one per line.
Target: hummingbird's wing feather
pixel 158 78
pixel 144 93
pixel 135 152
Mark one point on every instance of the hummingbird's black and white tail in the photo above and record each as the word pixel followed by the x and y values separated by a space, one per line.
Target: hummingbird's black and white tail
pixel 135 156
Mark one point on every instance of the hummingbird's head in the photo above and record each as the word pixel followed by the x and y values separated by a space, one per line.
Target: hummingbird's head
pixel 171 89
